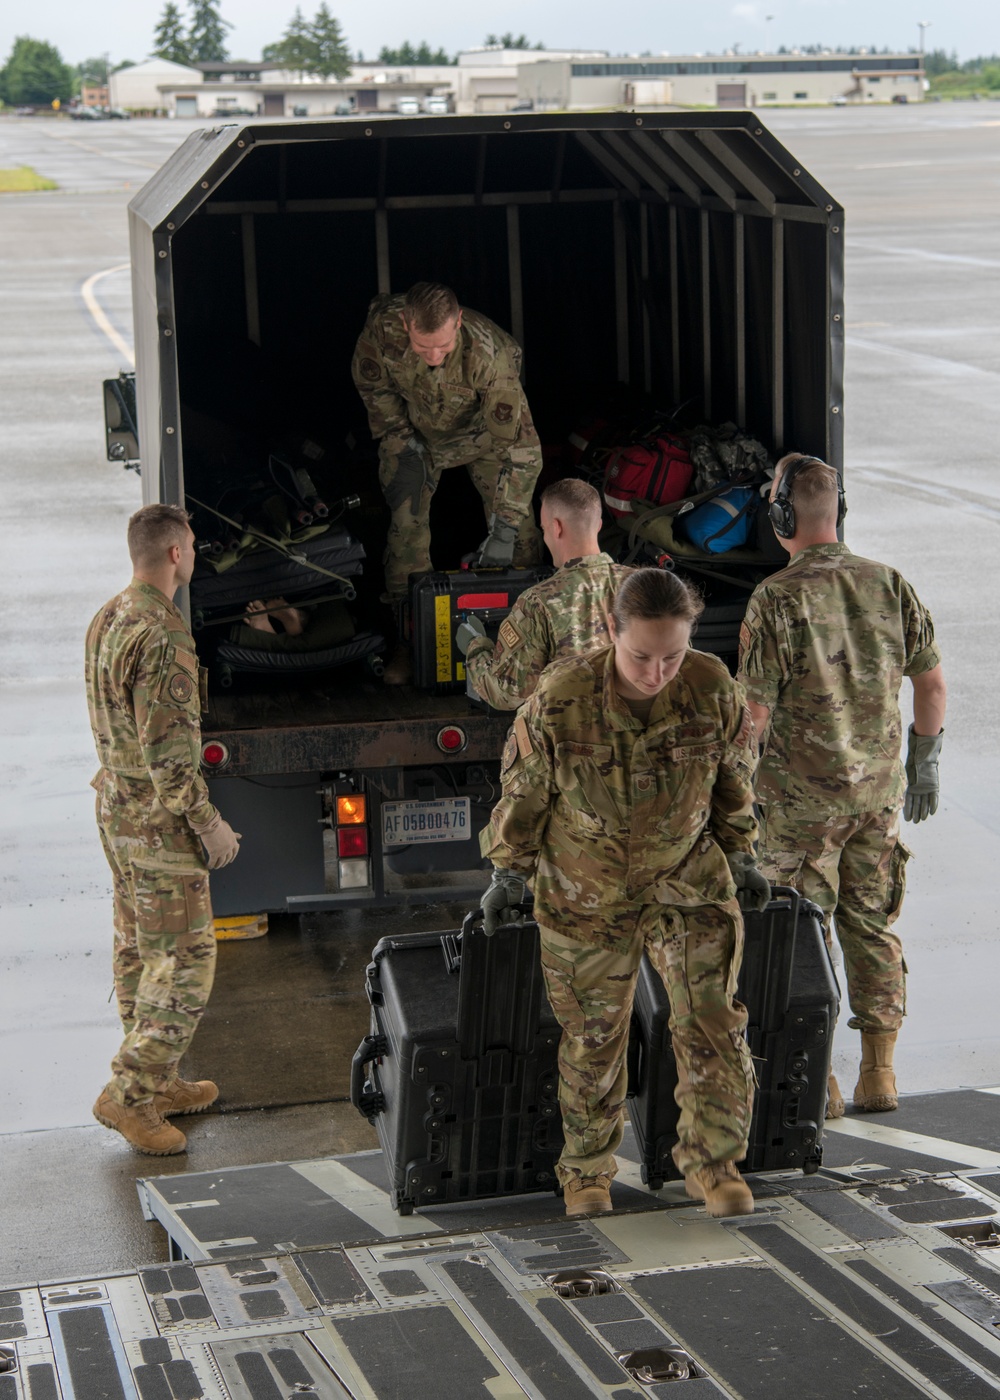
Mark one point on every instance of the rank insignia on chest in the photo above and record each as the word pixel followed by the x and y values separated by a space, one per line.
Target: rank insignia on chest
pixel 370 369
pixel 503 412
pixel 509 634
pixel 181 687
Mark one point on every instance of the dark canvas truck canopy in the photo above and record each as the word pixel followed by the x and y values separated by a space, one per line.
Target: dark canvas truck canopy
pixel 687 256
pixel 656 261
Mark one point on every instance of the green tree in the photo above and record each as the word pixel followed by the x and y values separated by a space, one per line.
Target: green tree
pixel 407 53
pixel 510 41
pixel 169 39
pixel 35 75
pixel 92 70
pixel 206 38
pixel 332 59
pixel 296 49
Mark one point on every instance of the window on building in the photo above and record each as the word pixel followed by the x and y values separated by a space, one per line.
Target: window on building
pixel 769 97
pixel 801 96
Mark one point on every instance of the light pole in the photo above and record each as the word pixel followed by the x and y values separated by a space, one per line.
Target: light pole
pixel 923 24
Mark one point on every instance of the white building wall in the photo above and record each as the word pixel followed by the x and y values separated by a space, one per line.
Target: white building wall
pixel 139 88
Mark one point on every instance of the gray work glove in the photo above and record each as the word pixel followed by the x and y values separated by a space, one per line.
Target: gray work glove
pixel 221 842
pixel 923 785
pixel 752 888
pixel 497 549
pixel 504 892
pixel 467 632
pixel 408 478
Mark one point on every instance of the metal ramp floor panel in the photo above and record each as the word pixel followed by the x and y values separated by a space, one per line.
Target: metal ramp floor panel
pixel 863 1280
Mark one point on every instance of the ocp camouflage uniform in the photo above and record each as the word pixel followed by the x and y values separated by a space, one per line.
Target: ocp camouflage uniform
pixel 468 412
pixel 560 616
pixel 825 645
pixel 144 700
pixel 623 831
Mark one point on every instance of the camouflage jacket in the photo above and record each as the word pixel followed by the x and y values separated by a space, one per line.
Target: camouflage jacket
pixel 474 397
pixel 144 699
pixel 602 811
pixel 825 646
pixel 560 616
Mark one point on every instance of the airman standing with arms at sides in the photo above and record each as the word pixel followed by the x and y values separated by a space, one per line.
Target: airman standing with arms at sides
pixel 160 832
pixel 558 617
pixel 442 388
pixel 627 807
pixel 823 651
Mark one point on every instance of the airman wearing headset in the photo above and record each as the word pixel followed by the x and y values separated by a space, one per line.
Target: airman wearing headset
pixel 823 651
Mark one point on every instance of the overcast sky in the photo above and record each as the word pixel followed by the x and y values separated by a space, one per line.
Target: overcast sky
pixel 124 28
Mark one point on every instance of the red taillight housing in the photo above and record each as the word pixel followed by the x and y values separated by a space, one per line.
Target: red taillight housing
pixel 451 739
pixel 214 754
pixel 352 841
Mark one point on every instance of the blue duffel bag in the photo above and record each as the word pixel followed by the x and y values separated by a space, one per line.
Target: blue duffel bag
pixel 724 522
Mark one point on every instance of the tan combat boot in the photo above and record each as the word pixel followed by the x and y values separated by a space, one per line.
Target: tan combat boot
pixel 876 1087
pixel 141 1126
pixel 588 1195
pixel 834 1098
pixel 722 1189
pixel 399 668
pixel 185 1096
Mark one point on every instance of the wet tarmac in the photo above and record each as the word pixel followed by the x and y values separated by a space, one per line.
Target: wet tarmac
pixel 922 191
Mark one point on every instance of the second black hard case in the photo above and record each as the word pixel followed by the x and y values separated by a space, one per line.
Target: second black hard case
pixel 789 988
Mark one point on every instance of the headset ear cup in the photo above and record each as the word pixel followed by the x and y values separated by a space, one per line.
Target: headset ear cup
pixel 782 517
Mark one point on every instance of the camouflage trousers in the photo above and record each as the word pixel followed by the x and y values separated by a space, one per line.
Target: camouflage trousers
pixel 854 867
pixel 590 969
pixel 408 491
pixel 164 951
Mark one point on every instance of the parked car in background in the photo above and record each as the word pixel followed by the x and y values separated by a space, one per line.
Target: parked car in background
pixel 436 106
pixel 87 114
pixel 408 106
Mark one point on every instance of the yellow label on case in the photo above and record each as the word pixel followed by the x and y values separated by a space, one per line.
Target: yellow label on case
pixel 442 637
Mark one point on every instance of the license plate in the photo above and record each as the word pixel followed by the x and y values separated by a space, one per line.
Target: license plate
pixel 416 823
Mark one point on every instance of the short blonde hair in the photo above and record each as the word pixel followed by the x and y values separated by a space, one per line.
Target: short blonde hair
pixel 428 305
pixel 151 532
pixel 814 492
pixel 574 499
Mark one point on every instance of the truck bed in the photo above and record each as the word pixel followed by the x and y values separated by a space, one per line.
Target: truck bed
pixel 368 725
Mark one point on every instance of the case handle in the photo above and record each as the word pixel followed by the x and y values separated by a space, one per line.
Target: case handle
pixel 373 1103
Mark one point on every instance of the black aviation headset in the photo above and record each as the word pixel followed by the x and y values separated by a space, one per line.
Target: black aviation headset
pixel 780 510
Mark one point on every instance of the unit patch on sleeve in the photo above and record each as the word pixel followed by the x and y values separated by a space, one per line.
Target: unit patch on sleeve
pixel 503 412
pixel 509 751
pixel 181 687
pixel 370 369
pixel 509 634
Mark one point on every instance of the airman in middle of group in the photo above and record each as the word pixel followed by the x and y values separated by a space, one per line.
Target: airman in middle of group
pixel 558 617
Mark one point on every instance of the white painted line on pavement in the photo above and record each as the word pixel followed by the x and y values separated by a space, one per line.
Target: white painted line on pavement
pixel 98 314
pixel 958 1152
pixel 362 1199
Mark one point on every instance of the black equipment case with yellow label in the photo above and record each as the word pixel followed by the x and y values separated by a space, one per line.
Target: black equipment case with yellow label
pixel 789 988
pixel 459 1074
pixel 440 602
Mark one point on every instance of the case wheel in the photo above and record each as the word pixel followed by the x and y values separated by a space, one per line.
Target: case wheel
pixel 404 1208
